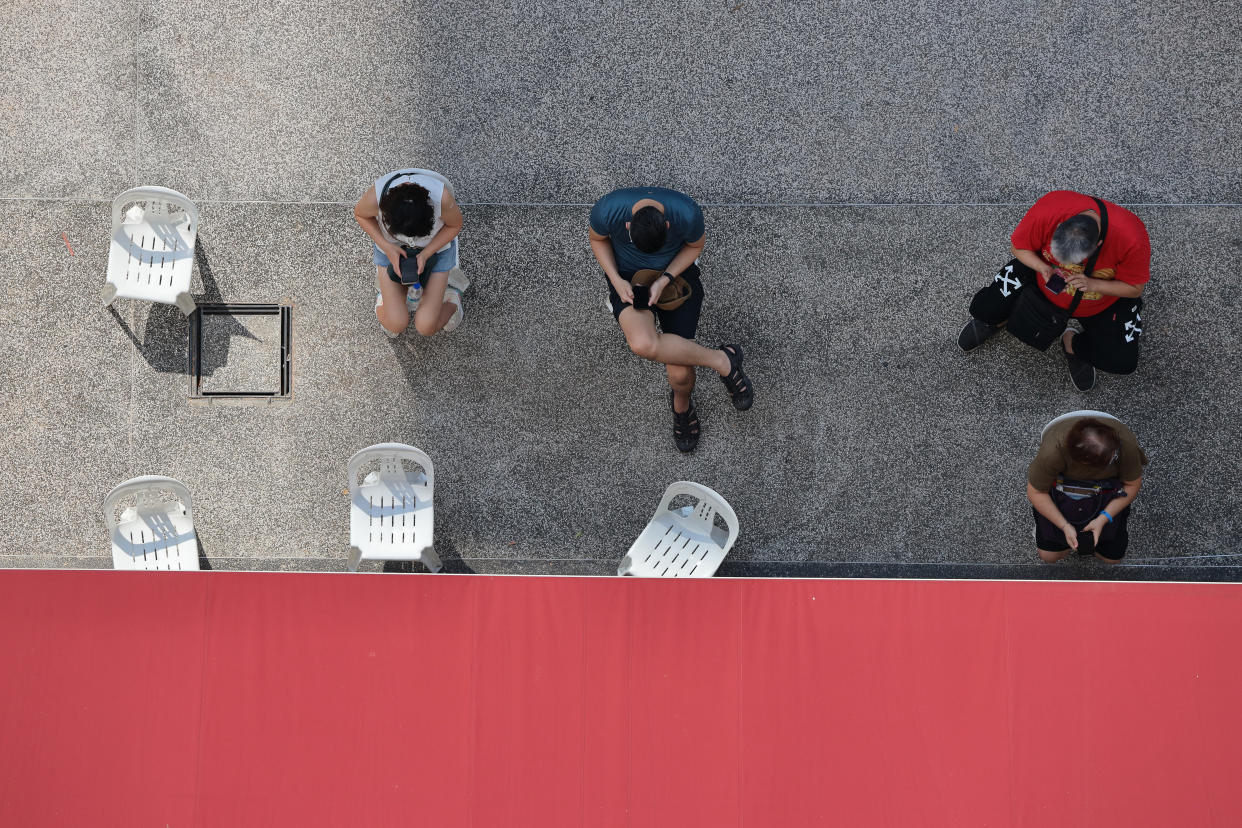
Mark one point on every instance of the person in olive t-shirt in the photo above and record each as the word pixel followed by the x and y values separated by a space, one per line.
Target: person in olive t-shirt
pixel 654 228
pixel 1090 465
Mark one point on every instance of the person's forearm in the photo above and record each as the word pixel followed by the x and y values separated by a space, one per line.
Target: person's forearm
pixel 443 236
pixel 602 248
pixel 371 227
pixel 684 258
pixel 1112 287
pixel 1042 501
pixel 1031 259
pixel 1115 505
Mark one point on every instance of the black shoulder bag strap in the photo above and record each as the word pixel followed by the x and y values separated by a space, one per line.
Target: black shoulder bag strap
pixel 1089 267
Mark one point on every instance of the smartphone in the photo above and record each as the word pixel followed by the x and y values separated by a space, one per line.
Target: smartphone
pixel 642 296
pixel 1056 282
pixel 407 271
pixel 1086 543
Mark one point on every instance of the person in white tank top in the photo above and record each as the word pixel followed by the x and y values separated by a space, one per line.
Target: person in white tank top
pixel 413 221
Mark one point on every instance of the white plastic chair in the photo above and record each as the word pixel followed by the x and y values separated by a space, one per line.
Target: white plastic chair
pixel 390 512
pixel 685 542
pixel 154 533
pixel 152 252
pixel 1085 412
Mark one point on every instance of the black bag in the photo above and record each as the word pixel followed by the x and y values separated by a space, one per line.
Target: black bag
pixel 409 268
pixel 1038 322
pixel 1079 511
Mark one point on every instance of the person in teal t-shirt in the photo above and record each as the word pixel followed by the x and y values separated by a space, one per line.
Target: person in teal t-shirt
pixel 655 228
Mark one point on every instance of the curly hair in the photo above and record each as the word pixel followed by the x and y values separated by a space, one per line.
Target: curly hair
pixel 407 210
pixel 1092 442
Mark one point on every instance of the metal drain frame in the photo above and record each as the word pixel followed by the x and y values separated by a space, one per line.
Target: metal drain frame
pixel 284 310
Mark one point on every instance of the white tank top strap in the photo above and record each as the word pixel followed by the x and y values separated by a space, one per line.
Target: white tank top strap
pixel 435 185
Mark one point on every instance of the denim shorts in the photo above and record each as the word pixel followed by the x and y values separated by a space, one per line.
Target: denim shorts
pixel 441 262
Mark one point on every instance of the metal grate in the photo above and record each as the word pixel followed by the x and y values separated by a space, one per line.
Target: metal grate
pixel 283 369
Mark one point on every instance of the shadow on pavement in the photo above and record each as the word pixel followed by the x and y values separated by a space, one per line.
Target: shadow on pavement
pixel 165 336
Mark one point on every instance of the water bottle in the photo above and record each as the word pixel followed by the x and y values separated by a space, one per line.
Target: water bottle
pixel 414 295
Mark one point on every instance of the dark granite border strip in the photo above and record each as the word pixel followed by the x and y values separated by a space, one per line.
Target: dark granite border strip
pixel 1073 571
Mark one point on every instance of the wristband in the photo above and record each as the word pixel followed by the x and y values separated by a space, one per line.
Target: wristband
pixel 1105 513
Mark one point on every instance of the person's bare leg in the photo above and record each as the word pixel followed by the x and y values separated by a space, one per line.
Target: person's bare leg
pixel 1113 561
pixel 433 312
pixel 681 380
pixel 1052 557
pixel 393 314
pixel 645 341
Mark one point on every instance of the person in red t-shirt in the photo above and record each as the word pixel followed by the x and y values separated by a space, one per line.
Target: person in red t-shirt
pixel 1051 245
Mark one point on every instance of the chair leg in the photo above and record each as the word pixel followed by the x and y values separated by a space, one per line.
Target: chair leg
pixel 431 560
pixel 107 293
pixel 355 558
pixel 185 303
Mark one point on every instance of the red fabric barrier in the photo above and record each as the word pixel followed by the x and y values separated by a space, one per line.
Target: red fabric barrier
pixel 237 699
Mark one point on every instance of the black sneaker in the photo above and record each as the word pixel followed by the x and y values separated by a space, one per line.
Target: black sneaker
pixel 1081 371
pixel 975 334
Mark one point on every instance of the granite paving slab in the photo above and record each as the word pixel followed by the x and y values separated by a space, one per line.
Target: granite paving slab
pixel 873 439
pixel 67 103
pixel 65 373
pixel 731 101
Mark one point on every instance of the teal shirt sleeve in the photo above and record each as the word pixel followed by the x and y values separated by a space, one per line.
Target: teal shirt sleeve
pixel 600 217
pixel 694 224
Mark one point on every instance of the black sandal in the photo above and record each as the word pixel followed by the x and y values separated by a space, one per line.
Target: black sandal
pixel 736 381
pixel 685 426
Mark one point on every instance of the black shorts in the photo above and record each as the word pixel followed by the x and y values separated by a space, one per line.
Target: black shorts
pixel 1051 539
pixel 683 321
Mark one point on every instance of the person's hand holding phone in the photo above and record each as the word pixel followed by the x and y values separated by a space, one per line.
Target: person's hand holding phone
pixel 623 289
pixel 395 254
pixel 1071 536
pixel 657 289
pixel 642 296
pixel 1096 527
pixel 1079 280
pixel 421 260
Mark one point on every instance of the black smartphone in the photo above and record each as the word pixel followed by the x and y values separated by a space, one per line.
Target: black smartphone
pixel 1086 543
pixel 407 273
pixel 642 296
pixel 1056 282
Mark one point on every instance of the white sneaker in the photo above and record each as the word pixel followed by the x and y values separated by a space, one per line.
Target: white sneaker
pixel 457 278
pixel 453 295
pixel 379 300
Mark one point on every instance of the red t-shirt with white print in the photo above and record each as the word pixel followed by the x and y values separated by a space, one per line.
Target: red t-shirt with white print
pixel 1126 254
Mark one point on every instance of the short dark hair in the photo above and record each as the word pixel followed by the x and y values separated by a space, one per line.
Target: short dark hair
pixel 407 210
pixel 648 230
pixel 1092 442
pixel 1074 239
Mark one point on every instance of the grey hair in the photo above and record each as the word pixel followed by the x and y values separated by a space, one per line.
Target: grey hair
pixel 1075 239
